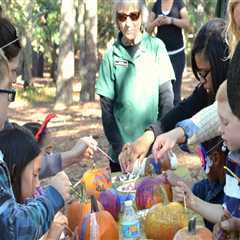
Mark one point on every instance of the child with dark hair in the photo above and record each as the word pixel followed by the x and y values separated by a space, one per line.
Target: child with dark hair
pixel 41 132
pixel 229 129
pixel 21 157
pixel 213 157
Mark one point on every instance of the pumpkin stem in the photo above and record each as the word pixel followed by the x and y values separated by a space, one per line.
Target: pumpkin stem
pixel 192 226
pixel 164 195
pixel 94 206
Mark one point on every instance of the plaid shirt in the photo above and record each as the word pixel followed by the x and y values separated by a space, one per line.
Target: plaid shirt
pixel 29 220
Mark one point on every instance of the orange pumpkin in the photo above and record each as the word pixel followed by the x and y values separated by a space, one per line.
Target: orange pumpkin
pixel 77 210
pixel 193 232
pixel 164 219
pixel 96 180
pixel 106 228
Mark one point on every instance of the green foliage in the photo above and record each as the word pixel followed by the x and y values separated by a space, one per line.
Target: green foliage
pixel 33 95
pixel 106 27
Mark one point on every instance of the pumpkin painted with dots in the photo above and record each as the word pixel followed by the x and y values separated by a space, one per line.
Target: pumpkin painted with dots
pixel 110 200
pixel 96 180
pixel 148 191
pixel 193 232
pixel 164 219
pixel 100 223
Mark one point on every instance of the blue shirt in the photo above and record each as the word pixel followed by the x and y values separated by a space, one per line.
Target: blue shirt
pixel 29 220
pixel 232 187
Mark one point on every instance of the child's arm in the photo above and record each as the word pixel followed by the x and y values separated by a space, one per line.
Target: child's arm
pixel 84 148
pixel 29 220
pixel 56 162
pixel 209 211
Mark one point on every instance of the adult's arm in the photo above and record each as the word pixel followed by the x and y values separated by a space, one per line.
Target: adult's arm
pixel 155 21
pixel 185 109
pixel 31 219
pixel 109 125
pixel 166 97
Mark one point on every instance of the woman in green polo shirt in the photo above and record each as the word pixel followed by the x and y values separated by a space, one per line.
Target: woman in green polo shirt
pixel 134 79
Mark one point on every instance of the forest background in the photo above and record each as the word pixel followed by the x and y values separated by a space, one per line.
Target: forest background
pixel 63 42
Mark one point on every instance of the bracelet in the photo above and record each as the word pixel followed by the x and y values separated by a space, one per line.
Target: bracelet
pixel 172 21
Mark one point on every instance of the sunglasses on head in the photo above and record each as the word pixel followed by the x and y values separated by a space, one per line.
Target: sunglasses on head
pixel 11 94
pixel 122 17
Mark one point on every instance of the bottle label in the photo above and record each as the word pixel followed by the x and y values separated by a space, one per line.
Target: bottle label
pixel 130 230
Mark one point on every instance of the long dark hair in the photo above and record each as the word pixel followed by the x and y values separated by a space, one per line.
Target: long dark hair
pixel 211 41
pixel 8 34
pixel 19 148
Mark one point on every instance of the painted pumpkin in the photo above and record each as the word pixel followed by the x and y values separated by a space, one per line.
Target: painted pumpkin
pixel 148 191
pixel 193 232
pixel 111 202
pixel 104 228
pixel 164 219
pixel 96 180
pixel 77 210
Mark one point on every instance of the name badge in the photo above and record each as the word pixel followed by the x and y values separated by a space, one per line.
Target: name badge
pixel 121 62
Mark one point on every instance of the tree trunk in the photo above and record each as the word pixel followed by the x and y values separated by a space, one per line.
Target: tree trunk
pixel 221 8
pixel 200 13
pixel 37 64
pixel 27 51
pixel 65 72
pixel 82 42
pixel 88 87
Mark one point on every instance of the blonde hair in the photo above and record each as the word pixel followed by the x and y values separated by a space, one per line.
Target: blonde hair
pixel 233 31
pixel 222 93
pixel 4 67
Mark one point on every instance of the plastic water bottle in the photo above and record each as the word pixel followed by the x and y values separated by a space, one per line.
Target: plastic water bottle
pixel 129 225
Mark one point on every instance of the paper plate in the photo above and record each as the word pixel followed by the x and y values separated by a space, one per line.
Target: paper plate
pixel 125 188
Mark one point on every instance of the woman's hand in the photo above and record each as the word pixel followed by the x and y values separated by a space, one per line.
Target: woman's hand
pixel 166 142
pixel 136 150
pixel 163 20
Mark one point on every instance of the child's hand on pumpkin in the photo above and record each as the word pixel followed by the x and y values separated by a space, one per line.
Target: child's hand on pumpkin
pixel 172 178
pixel 183 193
pixel 62 184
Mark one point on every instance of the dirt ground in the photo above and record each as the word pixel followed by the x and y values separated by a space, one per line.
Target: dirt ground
pixel 85 119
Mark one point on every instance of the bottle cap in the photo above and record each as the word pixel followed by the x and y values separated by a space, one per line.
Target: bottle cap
pixel 128 203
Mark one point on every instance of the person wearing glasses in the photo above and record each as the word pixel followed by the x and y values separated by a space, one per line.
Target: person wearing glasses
pixel 210 61
pixel 32 219
pixel 134 81
pixel 170 17
pixel 11 47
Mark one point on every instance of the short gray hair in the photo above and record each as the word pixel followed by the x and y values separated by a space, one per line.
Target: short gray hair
pixel 140 4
